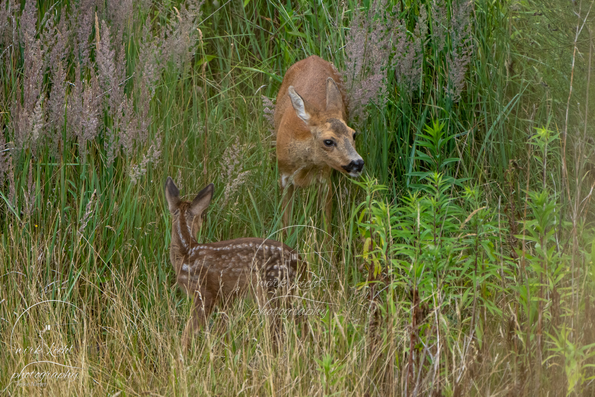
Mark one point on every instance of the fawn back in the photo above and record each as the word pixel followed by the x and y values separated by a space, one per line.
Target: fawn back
pixel 218 272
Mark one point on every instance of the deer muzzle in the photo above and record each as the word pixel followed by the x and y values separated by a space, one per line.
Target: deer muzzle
pixel 354 168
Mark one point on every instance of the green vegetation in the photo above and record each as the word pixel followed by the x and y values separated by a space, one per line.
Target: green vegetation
pixel 463 263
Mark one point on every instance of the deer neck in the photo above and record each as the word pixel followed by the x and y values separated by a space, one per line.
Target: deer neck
pixel 181 237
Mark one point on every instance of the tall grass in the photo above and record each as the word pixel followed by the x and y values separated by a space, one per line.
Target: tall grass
pixel 462 265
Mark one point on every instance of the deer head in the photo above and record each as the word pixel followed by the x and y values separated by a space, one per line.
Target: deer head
pixel 188 216
pixel 334 139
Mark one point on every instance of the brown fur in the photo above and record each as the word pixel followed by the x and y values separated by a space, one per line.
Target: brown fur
pixel 302 154
pixel 217 273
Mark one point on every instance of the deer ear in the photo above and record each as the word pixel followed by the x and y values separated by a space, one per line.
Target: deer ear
pixel 172 195
pixel 334 99
pixel 299 105
pixel 202 200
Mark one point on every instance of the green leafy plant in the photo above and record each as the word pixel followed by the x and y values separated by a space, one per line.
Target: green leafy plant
pixel 574 358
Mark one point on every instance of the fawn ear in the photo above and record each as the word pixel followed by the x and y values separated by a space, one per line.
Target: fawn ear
pixel 334 100
pixel 172 194
pixel 302 108
pixel 202 200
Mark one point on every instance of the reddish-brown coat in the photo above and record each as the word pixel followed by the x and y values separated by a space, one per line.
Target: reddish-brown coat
pixel 310 113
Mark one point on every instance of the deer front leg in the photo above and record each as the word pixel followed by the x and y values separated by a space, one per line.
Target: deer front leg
pixel 328 206
pixel 287 193
pixel 325 197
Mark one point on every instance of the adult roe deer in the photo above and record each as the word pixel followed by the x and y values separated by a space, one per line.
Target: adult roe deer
pixel 224 270
pixel 312 135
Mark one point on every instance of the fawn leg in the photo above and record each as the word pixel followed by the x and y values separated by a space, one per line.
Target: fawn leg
pixel 280 299
pixel 275 318
pixel 189 331
pixel 203 305
pixel 267 300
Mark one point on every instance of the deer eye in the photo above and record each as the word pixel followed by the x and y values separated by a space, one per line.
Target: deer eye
pixel 329 142
pixel 354 134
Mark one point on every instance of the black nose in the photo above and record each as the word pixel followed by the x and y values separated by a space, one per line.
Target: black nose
pixel 354 166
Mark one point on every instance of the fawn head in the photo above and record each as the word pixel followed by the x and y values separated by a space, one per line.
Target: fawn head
pixel 188 216
pixel 334 139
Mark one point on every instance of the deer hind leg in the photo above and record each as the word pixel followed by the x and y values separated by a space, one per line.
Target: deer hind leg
pixel 203 306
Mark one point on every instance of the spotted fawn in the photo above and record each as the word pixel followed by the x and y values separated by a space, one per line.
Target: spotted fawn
pixel 217 273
